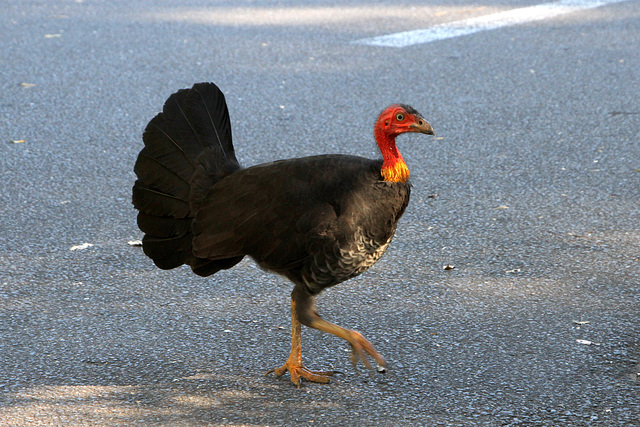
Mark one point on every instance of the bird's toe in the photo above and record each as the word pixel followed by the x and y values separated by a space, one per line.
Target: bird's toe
pixel 361 348
pixel 298 372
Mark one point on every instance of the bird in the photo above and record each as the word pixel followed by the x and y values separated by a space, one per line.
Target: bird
pixel 317 220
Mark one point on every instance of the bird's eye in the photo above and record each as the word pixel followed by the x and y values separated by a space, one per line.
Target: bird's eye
pixel 399 117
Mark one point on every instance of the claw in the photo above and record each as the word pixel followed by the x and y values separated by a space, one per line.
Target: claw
pixel 298 371
pixel 360 346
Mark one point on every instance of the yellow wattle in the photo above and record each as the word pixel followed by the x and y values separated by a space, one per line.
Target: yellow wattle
pixel 397 172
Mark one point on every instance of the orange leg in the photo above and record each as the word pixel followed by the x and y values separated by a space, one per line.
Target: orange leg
pixel 359 344
pixel 294 362
pixel 303 312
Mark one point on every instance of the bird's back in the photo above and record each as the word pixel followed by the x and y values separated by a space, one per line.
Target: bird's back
pixel 316 220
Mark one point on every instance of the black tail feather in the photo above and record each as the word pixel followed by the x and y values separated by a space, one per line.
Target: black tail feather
pixel 202 107
pixel 169 252
pixel 188 147
pixel 162 142
pixel 158 203
pixel 161 226
pixel 155 174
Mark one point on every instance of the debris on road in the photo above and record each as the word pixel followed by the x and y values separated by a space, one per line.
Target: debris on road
pixel 587 342
pixel 80 247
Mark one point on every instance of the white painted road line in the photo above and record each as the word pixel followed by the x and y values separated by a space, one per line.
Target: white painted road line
pixel 484 23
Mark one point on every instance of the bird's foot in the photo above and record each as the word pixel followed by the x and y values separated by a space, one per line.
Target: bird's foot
pixel 360 347
pixel 298 371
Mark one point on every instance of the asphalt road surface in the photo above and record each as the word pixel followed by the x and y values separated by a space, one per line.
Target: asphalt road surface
pixel 530 189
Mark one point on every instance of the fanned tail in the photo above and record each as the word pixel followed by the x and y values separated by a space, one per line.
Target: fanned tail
pixel 188 148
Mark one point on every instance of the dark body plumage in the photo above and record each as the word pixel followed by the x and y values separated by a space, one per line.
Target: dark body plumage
pixel 317 220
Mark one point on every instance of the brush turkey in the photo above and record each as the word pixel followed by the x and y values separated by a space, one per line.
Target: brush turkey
pixel 317 221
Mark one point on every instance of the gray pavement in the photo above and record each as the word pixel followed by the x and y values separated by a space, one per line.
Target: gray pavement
pixel 531 190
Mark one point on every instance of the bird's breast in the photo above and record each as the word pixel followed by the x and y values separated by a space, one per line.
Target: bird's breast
pixel 362 254
pixel 344 261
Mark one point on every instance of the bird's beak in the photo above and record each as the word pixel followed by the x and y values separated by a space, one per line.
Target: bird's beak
pixel 421 126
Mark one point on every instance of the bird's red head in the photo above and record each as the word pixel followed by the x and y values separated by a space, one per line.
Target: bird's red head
pixel 393 121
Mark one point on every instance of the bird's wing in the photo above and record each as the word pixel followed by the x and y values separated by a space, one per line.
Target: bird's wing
pixel 267 212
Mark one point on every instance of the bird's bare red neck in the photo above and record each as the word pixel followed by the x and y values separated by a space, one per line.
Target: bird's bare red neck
pixel 394 169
